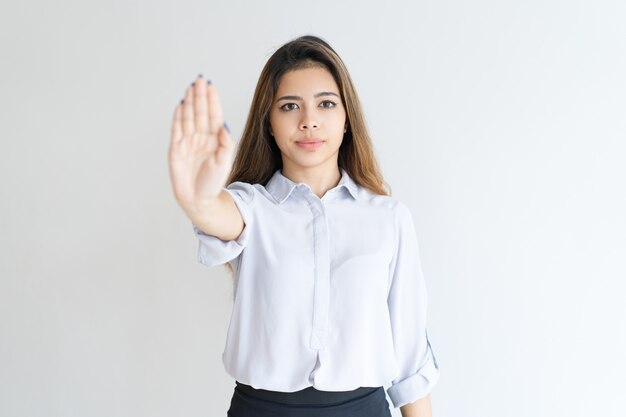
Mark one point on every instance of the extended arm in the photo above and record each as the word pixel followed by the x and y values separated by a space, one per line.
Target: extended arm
pixel 200 159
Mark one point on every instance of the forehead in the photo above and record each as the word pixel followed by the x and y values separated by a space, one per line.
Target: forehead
pixel 307 80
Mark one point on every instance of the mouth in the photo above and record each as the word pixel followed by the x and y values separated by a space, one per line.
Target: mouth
pixel 310 144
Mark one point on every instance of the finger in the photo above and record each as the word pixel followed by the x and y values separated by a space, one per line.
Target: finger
pixel 200 106
pixel 224 146
pixel 216 117
pixel 177 128
pixel 188 124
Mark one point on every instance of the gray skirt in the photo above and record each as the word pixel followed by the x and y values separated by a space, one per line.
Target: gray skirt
pixel 309 402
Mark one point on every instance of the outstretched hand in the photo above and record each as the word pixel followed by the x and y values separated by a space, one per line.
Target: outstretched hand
pixel 201 149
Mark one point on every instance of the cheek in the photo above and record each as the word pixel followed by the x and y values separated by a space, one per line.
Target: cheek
pixel 280 123
pixel 340 121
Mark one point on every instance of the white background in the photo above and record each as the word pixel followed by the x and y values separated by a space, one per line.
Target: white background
pixel 500 123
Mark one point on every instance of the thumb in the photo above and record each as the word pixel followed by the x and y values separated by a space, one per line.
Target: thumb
pixel 224 145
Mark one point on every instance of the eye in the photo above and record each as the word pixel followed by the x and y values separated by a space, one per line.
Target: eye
pixel 288 106
pixel 328 104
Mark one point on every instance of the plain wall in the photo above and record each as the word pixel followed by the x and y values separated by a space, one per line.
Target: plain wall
pixel 500 124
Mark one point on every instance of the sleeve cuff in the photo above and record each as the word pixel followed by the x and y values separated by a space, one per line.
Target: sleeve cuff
pixel 214 251
pixel 416 386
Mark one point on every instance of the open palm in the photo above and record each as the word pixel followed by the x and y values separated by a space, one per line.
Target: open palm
pixel 201 149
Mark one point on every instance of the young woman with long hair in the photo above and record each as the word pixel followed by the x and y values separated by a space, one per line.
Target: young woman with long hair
pixel 329 300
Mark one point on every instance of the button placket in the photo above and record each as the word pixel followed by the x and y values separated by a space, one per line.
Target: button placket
pixel 321 256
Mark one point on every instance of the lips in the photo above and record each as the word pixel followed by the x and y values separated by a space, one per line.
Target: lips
pixel 310 144
pixel 314 140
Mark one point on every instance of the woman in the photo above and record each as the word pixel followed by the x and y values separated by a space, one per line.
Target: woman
pixel 329 300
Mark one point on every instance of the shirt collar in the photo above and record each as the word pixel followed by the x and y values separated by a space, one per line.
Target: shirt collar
pixel 280 187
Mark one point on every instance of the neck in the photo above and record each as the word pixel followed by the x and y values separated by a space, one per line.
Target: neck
pixel 320 179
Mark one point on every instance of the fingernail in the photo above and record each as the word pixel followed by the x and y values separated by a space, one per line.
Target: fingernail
pixel 208 81
pixel 182 101
pixel 193 83
pixel 226 127
pixel 199 75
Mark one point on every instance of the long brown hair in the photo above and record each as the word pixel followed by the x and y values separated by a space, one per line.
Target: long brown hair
pixel 258 156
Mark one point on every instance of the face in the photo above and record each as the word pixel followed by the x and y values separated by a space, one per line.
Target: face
pixel 308 119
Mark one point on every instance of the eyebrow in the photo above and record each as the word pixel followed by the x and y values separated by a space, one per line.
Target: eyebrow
pixel 323 93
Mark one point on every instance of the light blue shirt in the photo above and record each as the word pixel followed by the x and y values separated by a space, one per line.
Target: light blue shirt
pixel 328 292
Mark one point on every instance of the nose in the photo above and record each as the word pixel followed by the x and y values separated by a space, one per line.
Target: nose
pixel 308 121
pixel 308 125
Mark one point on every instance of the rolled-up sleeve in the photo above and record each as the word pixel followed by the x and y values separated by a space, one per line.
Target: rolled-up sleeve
pixel 214 251
pixel 407 302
